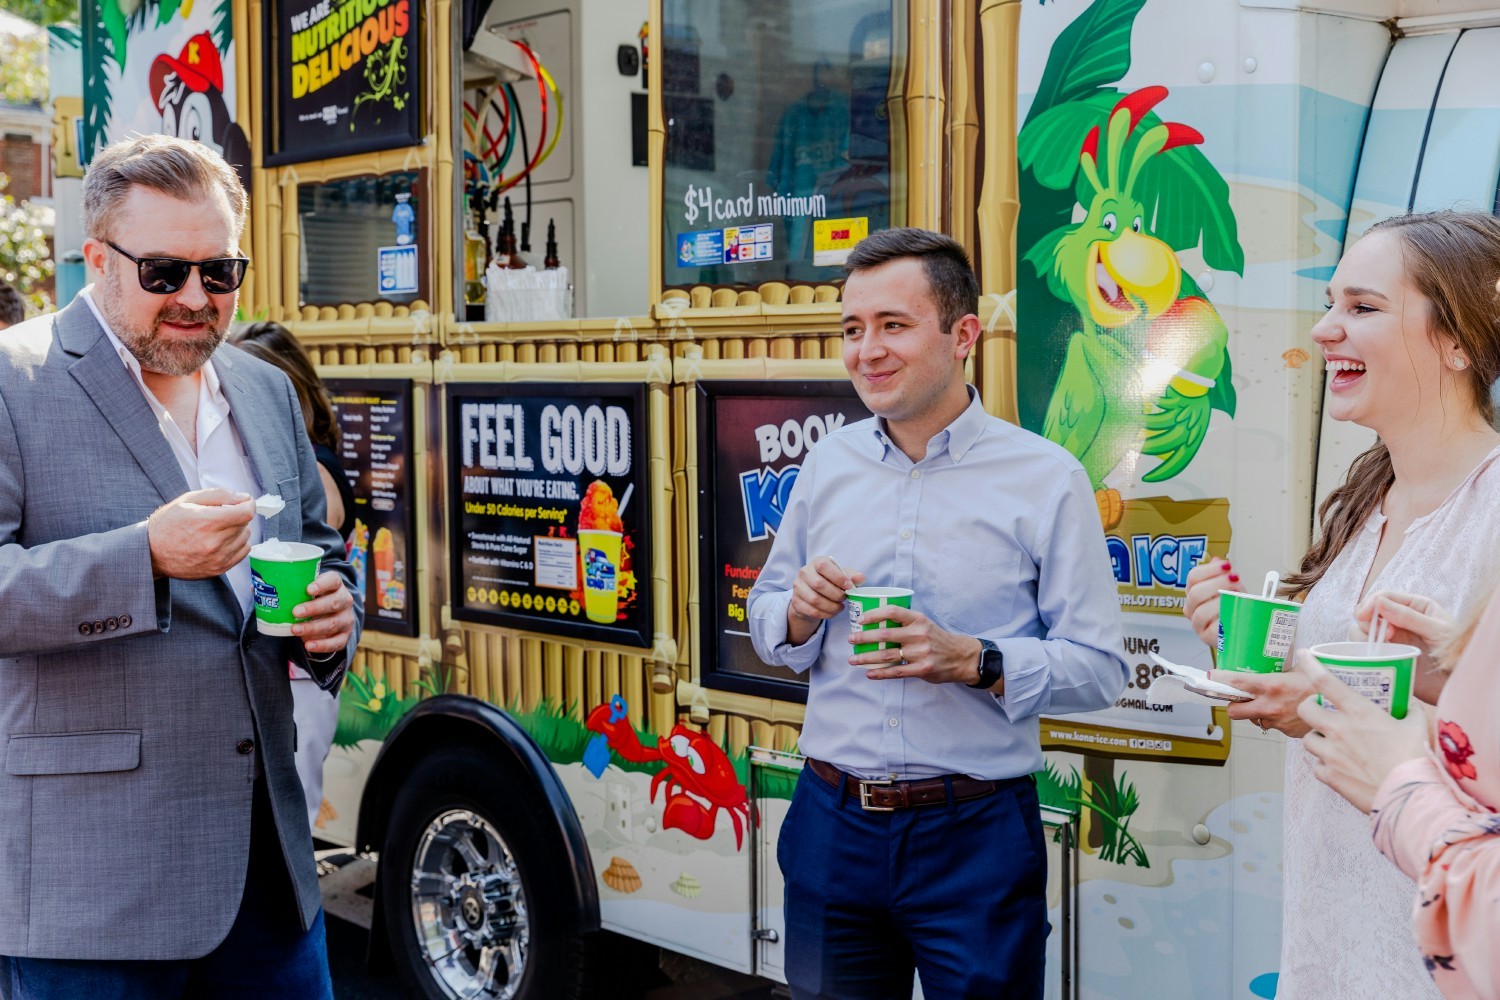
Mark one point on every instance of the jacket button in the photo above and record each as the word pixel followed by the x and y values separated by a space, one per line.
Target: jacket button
pixel 124 621
pixel 84 628
pixel 98 627
pixel 248 640
pixel 111 623
pixel 245 746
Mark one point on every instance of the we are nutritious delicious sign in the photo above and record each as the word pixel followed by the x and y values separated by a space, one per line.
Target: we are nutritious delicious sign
pixel 346 77
pixel 550 509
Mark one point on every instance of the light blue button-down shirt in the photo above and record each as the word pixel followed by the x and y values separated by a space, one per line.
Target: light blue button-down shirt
pixel 997 533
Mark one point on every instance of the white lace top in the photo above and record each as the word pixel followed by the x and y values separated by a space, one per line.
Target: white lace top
pixel 1346 912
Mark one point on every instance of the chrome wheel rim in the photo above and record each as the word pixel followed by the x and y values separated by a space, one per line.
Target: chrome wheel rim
pixel 468 908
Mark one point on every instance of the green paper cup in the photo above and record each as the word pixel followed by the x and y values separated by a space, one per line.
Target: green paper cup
pixel 280 573
pixel 1256 630
pixel 862 599
pixel 1381 671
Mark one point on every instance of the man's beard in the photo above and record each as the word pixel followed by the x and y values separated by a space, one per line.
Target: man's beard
pixel 157 354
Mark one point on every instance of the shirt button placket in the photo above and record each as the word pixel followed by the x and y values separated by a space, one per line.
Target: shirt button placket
pixel 906 544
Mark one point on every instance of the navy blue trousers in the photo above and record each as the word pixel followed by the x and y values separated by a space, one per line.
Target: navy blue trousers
pixel 956 892
pixel 267 954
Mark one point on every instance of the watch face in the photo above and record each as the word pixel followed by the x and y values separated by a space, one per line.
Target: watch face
pixel 991 659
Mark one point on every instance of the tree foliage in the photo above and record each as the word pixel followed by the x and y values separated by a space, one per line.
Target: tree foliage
pixel 23 68
pixel 43 12
pixel 25 259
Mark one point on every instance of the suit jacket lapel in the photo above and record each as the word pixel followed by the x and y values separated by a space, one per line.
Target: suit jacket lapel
pixel 269 454
pixel 101 374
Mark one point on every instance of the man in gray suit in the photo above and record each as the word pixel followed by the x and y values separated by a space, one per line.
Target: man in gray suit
pixel 153 840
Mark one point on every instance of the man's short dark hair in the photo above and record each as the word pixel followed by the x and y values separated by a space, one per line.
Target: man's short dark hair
pixel 950 276
pixel 12 309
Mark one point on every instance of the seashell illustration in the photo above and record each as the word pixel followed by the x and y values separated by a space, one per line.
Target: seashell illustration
pixel 1111 507
pixel 326 815
pixel 1295 357
pixel 687 886
pixel 621 876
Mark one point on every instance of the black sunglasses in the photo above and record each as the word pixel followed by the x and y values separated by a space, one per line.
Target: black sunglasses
pixel 165 275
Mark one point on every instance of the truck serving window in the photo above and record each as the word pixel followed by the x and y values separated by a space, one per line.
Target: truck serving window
pixel 364 239
pixel 779 138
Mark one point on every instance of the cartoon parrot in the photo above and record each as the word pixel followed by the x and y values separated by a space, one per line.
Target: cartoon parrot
pixel 1151 359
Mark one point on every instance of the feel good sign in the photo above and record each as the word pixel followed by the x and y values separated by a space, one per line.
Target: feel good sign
pixel 551 509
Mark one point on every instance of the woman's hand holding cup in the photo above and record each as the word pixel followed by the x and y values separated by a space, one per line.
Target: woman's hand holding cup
pixel 1276 697
pixel 1203 585
pixel 1354 744
pixel 1413 620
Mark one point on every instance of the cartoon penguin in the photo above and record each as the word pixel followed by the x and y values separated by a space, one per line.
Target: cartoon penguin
pixel 189 93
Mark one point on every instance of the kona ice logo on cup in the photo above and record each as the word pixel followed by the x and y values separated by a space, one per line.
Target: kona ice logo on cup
pixel 265 594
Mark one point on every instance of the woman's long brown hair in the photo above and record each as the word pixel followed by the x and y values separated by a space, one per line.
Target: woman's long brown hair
pixel 1453 259
pixel 274 343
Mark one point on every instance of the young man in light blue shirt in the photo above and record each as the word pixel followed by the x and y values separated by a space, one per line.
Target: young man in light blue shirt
pixel 914 840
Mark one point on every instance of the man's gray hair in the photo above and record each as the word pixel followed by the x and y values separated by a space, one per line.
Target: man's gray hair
pixel 177 167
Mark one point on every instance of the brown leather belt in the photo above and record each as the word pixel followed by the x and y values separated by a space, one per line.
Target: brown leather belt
pixel 888 796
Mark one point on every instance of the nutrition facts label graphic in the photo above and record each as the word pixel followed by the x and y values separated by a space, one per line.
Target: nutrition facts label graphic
pixel 375 449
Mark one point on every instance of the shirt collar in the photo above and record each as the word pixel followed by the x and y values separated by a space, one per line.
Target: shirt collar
pixel 132 363
pixel 956 439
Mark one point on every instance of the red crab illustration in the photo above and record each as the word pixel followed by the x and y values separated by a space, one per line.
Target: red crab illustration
pixel 1456 750
pixel 696 768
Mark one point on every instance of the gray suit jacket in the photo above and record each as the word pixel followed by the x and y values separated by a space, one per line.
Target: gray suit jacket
pixel 133 710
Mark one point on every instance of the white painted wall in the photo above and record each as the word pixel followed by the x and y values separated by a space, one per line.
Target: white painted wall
pixel 615 217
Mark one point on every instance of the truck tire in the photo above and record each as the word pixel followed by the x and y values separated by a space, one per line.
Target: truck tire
pixel 475 901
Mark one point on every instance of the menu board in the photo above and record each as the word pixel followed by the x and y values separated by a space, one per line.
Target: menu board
pixel 549 508
pixel 375 447
pixel 752 440
pixel 343 77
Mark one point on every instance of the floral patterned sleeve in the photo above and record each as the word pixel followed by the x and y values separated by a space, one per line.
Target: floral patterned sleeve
pixel 1452 851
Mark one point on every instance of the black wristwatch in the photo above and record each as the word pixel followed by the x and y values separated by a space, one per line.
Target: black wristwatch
pixel 991 663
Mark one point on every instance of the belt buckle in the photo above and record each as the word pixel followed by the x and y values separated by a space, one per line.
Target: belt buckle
pixel 864 795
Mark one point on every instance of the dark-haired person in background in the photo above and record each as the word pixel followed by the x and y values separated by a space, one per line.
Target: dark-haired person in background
pixel 315 710
pixel 12 309
pixel 914 840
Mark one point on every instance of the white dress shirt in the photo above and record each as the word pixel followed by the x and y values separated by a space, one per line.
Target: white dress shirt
pixel 219 460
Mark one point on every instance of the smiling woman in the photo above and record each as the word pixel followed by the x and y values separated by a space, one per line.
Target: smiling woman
pixel 1412 353
pixel 1411 341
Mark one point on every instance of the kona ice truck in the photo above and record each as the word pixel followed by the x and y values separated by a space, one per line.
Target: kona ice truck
pixel 571 271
